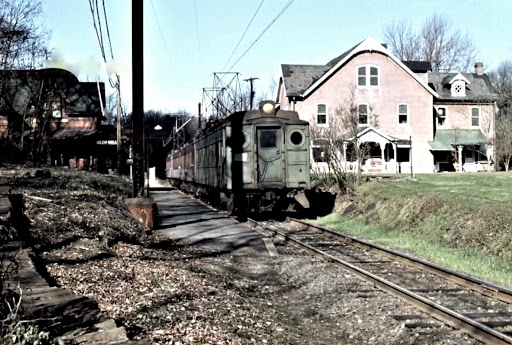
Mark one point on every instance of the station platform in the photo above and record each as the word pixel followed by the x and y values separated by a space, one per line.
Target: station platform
pixel 188 221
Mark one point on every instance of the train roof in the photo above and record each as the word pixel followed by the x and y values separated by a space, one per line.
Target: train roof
pixel 268 110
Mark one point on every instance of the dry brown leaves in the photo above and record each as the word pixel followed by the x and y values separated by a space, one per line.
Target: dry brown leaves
pixel 162 300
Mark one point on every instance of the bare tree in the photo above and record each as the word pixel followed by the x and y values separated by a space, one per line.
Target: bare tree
pixel 267 93
pixel 437 42
pixel 502 81
pixel 504 140
pixel 404 43
pixel 22 46
pixel 348 120
pixel 22 39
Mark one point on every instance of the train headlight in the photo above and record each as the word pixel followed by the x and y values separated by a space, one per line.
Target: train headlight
pixel 268 108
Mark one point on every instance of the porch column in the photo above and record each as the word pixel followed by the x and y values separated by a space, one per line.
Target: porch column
pixel 396 158
pixel 345 154
pixel 382 157
pixel 459 148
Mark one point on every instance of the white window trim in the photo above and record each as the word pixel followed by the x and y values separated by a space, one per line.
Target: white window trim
pixel 398 114
pixel 471 117
pixel 367 115
pixel 368 75
pixel 326 124
pixel 446 122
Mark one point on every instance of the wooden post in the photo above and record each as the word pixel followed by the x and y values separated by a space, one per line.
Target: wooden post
pixel 138 97
pixel 118 134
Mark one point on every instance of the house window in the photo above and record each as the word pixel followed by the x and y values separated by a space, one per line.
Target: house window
pixel 441 116
pixel 321 114
pixel 361 76
pixel 368 74
pixel 56 111
pixel 475 117
pixel 403 114
pixel 362 112
pixel 481 152
pixel 319 150
pixel 319 155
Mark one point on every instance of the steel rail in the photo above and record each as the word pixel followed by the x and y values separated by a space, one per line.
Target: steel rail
pixel 475 329
pixel 480 286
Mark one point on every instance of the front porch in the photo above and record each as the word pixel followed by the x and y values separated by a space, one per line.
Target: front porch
pixel 461 150
pixel 382 153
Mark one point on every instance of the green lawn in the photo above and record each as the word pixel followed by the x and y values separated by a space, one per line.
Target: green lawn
pixel 462 221
pixel 489 187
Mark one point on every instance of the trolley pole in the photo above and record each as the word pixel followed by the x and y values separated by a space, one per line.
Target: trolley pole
pixel 138 98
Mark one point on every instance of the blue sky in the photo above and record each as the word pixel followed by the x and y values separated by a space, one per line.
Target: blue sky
pixel 181 55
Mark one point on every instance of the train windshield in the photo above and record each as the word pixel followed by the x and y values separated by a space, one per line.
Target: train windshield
pixel 268 139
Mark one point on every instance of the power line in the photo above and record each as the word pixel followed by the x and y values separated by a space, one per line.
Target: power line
pixel 197 26
pixel 93 4
pixel 265 30
pixel 243 35
pixel 100 39
pixel 160 30
pixel 108 31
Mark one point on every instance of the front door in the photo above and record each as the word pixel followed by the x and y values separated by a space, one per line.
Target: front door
pixel 270 154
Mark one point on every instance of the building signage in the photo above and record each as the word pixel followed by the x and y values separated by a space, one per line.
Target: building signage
pixel 106 142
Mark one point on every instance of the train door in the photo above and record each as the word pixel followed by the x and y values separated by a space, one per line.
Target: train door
pixel 270 154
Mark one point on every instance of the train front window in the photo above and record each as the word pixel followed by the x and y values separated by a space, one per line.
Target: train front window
pixel 268 139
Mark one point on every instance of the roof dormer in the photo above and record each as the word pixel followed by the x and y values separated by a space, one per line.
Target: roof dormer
pixel 458 85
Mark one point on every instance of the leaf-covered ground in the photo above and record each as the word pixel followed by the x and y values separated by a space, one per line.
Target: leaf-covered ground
pixel 171 294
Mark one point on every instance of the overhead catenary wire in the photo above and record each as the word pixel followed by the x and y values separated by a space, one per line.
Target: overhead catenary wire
pixel 108 31
pixel 262 33
pixel 93 4
pixel 160 30
pixel 197 26
pixel 100 38
pixel 243 35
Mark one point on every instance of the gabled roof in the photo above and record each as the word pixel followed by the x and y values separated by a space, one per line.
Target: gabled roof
pixel 302 80
pixel 480 87
pixel 366 130
pixel 297 78
pixel 459 77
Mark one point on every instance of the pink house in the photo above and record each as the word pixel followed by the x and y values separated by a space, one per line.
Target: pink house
pixel 411 118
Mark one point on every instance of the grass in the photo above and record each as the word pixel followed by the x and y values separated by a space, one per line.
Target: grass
pixel 489 187
pixel 469 261
pixel 461 221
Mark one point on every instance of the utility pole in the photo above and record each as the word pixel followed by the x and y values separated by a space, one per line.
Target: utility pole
pixel 199 124
pixel 138 97
pixel 250 80
pixel 118 134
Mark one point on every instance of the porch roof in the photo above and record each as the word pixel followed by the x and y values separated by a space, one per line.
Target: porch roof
pixel 446 139
pixel 368 134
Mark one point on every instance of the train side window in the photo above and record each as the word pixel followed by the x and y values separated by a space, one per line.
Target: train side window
pixel 268 139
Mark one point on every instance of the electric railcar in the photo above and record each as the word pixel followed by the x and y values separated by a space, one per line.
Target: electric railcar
pixel 251 161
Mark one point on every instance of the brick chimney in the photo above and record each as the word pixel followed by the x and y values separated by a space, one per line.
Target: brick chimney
pixel 479 68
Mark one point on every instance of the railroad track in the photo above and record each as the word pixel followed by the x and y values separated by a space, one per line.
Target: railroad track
pixel 480 309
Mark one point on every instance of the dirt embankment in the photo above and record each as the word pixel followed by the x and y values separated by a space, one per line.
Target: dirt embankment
pixel 64 206
pixel 458 221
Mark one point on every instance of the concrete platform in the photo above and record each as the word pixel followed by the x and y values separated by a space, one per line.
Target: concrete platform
pixel 188 221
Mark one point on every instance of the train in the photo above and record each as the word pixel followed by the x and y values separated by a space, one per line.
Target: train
pixel 252 161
